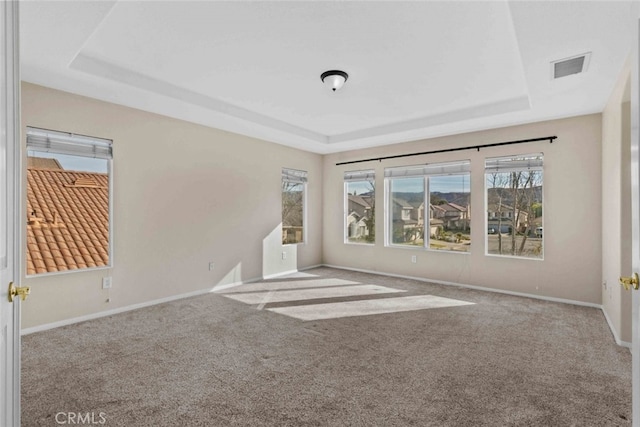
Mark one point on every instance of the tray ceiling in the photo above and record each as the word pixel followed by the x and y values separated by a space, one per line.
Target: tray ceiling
pixel 416 69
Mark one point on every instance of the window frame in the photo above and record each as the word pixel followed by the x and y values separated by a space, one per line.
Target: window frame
pixel 296 176
pixel 367 175
pixel 428 216
pixel 526 162
pixel 74 138
pixel 426 171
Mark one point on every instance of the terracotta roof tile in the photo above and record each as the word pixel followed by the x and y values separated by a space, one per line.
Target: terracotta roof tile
pixel 68 220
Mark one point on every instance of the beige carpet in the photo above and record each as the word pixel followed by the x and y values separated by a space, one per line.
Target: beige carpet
pixel 455 358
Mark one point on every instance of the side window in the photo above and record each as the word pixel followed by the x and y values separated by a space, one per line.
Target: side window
pixel 294 186
pixel 514 206
pixel 68 202
pixel 360 207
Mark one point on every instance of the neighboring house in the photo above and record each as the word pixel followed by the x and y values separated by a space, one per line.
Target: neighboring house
pixel 43 163
pixel 436 211
pixel 452 216
pixel 360 212
pixel 402 210
pixel 357 227
pixel 407 226
pixel 360 204
pixel 436 226
pixel 503 218
pixel 67 218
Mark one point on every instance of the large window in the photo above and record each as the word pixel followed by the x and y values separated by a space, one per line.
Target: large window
pixel 428 206
pixel 449 212
pixel 294 184
pixel 68 202
pixel 360 203
pixel 514 206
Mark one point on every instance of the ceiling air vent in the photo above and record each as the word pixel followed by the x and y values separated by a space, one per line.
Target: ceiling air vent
pixel 568 66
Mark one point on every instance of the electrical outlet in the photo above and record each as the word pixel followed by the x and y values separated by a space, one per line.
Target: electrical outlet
pixel 414 259
pixel 211 266
pixel 284 255
pixel 106 282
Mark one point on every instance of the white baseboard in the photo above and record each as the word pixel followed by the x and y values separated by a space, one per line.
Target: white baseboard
pixel 92 316
pixel 479 288
pixel 40 328
pixel 276 275
pixel 286 273
pixel 106 313
pixel 616 337
pixel 614 332
pixel 311 267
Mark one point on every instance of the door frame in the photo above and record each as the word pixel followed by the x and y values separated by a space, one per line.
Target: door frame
pixel 10 126
pixel 635 218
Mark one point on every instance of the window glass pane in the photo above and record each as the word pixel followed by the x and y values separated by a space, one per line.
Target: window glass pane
pixel 407 211
pixel 514 213
pixel 68 225
pixel 292 212
pixel 360 220
pixel 449 214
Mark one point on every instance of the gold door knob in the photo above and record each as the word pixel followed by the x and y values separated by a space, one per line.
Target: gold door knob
pixel 22 292
pixel 629 282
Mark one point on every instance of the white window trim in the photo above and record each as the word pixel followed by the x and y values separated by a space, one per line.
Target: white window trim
pixel 297 176
pixel 355 176
pixel 459 167
pixel 105 154
pixel 428 218
pixel 530 166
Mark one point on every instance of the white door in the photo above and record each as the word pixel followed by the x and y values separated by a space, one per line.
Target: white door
pixel 9 208
pixel 635 206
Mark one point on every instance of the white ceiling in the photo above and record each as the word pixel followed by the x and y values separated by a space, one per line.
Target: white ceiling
pixel 416 69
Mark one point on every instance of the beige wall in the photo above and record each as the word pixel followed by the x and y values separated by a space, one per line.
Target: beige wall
pixel 616 206
pixel 184 195
pixel 571 268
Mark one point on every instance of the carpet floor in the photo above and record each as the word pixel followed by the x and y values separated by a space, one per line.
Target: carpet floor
pixel 323 349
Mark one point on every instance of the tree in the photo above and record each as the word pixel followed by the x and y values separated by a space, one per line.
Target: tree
pixel 371 220
pixel 498 182
pixel 515 193
pixel 533 180
pixel 292 206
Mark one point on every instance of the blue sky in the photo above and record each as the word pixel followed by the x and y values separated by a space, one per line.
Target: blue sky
pixel 450 183
pixel 360 187
pixel 442 184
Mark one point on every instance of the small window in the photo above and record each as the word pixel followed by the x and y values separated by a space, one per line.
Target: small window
pixel 294 185
pixel 514 206
pixel 68 202
pixel 360 207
